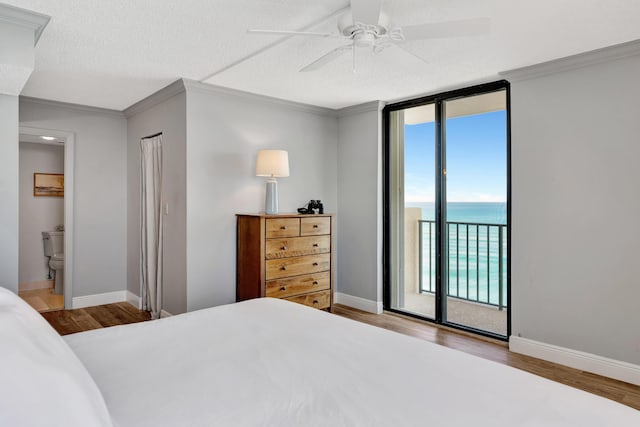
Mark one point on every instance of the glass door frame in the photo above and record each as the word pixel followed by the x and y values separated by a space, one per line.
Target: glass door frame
pixel 440 214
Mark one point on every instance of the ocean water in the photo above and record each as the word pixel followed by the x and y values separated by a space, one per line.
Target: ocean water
pixel 476 212
pixel 477 250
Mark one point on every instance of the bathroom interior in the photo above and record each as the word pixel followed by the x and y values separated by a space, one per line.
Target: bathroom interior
pixel 41 252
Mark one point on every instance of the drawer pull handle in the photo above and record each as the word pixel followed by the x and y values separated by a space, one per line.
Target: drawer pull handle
pixel 284 248
pixel 315 245
pixel 315 282
pixel 283 268
pixel 284 288
pixel 315 301
pixel 283 227
pixel 315 264
pixel 315 225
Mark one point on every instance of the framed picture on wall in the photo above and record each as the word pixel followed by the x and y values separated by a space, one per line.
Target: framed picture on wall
pixel 48 184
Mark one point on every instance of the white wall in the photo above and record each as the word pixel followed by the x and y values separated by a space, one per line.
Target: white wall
pixel 225 129
pixel 9 192
pixel 359 199
pixel 575 228
pixel 16 65
pixel 37 214
pixel 100 190
pixel 16 54
pixel 168 117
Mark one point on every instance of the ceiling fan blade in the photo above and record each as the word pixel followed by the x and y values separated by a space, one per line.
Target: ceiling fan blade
pixel 290 33
pixel 326 58
pixel 437 30
pixel 411 53
pixel 366 11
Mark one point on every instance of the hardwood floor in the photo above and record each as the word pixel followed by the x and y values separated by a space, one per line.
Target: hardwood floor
pixel 71 321
pixel 101 316
pixel 43 299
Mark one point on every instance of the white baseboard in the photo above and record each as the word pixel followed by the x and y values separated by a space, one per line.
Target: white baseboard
pixel 133 299
pixel 110 298
pixel 99 299
pixel 45 284
pixel 593 363
pixel 357 302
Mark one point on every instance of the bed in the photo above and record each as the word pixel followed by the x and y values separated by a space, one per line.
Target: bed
pixel 267 362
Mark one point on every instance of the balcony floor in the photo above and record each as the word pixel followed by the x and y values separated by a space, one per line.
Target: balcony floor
pixel 479 316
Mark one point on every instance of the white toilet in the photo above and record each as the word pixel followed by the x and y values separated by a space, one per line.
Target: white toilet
pixel 54 249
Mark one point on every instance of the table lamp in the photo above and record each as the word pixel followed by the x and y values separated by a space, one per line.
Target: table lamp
pixel 272 164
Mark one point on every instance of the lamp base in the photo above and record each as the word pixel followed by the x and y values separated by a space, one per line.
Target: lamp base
pixel 271 197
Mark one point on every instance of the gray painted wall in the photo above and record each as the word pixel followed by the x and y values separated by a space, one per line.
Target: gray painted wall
pixel 575 229
pixel 100 191
pixel 359 198
pixel 224 132
pixel 168 117
pixel 37 214
pixel 9 192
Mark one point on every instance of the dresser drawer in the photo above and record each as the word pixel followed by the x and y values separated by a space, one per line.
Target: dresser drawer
pixel 296 266
pixel 286 256
pixel 320 299
pixel 283 288
pixel 297 246
pixel 282 227
pixel 315 226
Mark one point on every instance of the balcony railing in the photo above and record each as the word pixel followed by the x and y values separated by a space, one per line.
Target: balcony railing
pixel 477 260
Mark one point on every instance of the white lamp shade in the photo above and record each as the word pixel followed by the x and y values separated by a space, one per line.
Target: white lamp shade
pixel 272 163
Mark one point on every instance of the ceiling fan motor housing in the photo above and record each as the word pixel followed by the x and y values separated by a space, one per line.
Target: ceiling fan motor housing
pixel 363 31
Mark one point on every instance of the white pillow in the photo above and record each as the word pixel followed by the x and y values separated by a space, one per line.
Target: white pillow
pixel 42 382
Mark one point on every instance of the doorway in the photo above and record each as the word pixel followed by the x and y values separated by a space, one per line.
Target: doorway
pixel 46 218
pixel 447 209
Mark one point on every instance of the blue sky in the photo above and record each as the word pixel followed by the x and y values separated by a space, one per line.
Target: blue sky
pixel 476 159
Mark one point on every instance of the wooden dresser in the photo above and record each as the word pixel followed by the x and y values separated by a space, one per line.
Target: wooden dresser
pixel 286 256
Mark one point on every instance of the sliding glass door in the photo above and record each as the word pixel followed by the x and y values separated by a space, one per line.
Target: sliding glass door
pixel 413 210
pixel 447 216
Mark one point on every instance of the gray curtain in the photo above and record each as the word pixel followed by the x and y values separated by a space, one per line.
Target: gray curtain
pixel 151 225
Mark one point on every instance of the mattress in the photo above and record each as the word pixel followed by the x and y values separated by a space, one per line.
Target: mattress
pixel 269 362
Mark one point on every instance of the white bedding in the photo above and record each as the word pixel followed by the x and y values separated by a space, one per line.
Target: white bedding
pixel 42 382
pixel 269 362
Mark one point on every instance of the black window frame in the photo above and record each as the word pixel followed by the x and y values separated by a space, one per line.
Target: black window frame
pixel 438 100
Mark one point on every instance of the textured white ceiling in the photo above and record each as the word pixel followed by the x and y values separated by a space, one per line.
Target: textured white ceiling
pixel 113 53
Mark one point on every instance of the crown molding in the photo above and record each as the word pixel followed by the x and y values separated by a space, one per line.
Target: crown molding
pixel 24 18
pixel 70 106
pixel 598 56
pixel 361 108
pixel 192 85
pixel 155 98
pixel 444 89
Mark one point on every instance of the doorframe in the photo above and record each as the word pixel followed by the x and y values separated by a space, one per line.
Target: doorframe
pixel 437 100
pixel 69 168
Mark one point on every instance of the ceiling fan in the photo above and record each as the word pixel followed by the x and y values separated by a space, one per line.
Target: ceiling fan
pixel 367 25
